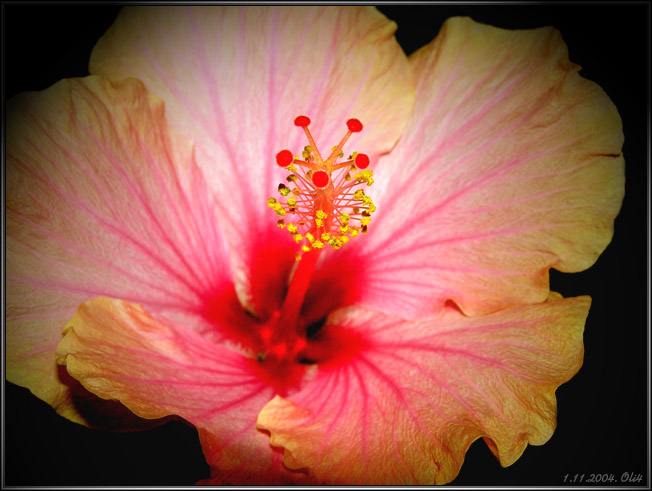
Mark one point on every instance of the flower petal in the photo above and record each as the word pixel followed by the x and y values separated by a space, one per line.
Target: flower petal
pixel 511 165
pixel 234 79
pixel 118 351
pixel 406 408
pixel 101 201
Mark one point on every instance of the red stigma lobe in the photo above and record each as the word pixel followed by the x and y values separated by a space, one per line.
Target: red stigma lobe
pixel 302 121
pixel 362 161
pixel 320 179
pixel 284 158
pixel 354 125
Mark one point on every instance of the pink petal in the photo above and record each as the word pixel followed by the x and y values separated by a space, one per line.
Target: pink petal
pixel 234 79
pixel 511 165
pixel 414 395
pixel 118 351
pixel 101 201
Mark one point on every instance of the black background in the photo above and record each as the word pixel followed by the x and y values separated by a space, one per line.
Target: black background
pixel 602 412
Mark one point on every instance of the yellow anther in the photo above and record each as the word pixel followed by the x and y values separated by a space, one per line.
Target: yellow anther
pixel 298 238
pixel 344 228
pixel 359 194
pixel 321 214
pixel 284 191
pixel 326 236
pixel 339 155
pixel 319 222
pixel 363 175
pixel 271 202
pixel 297 257
pixel 347 177
pixel 292 228
pixel 310 237
pixel 305 248
pixel 372 207
pixel 291 178
pixel 291 167
pixel 336 243
pixel 365 221
pixel 344 218
pixel 291 201
pixel 354 232
pixel 281 223
pixel 317 244
pixel 344 239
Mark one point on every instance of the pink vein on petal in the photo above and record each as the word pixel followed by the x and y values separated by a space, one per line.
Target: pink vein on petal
pixel 327 66
pixel 240 54
pixel 490 401
pixel 346 110
pixel 500 171
pixel 120 232
pixel 218 113
pixel 442 267
pixel 272 99
pixel 81 252
pixel 342 406
pixel 152 218
pixel 446 350
pixel 37 315
pixel 396 390
pixel 41 349
pixel 449 139
pixel 229 405
pixel 94 293
pixel 462 238
pixel 190 215
pixel 194 114
pixel 489 104
pixel 364 412
pixel 441 383
pixel 83 207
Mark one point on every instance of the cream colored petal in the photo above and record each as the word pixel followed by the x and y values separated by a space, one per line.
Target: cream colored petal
pixel 409 401
pixel 511 165
pixel 101 200
pixel 119 352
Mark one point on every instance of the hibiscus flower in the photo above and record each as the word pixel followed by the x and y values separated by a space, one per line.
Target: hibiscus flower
pixel 136 218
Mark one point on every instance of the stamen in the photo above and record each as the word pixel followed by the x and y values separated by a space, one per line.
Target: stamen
pixel 304 122
pixel 324 207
